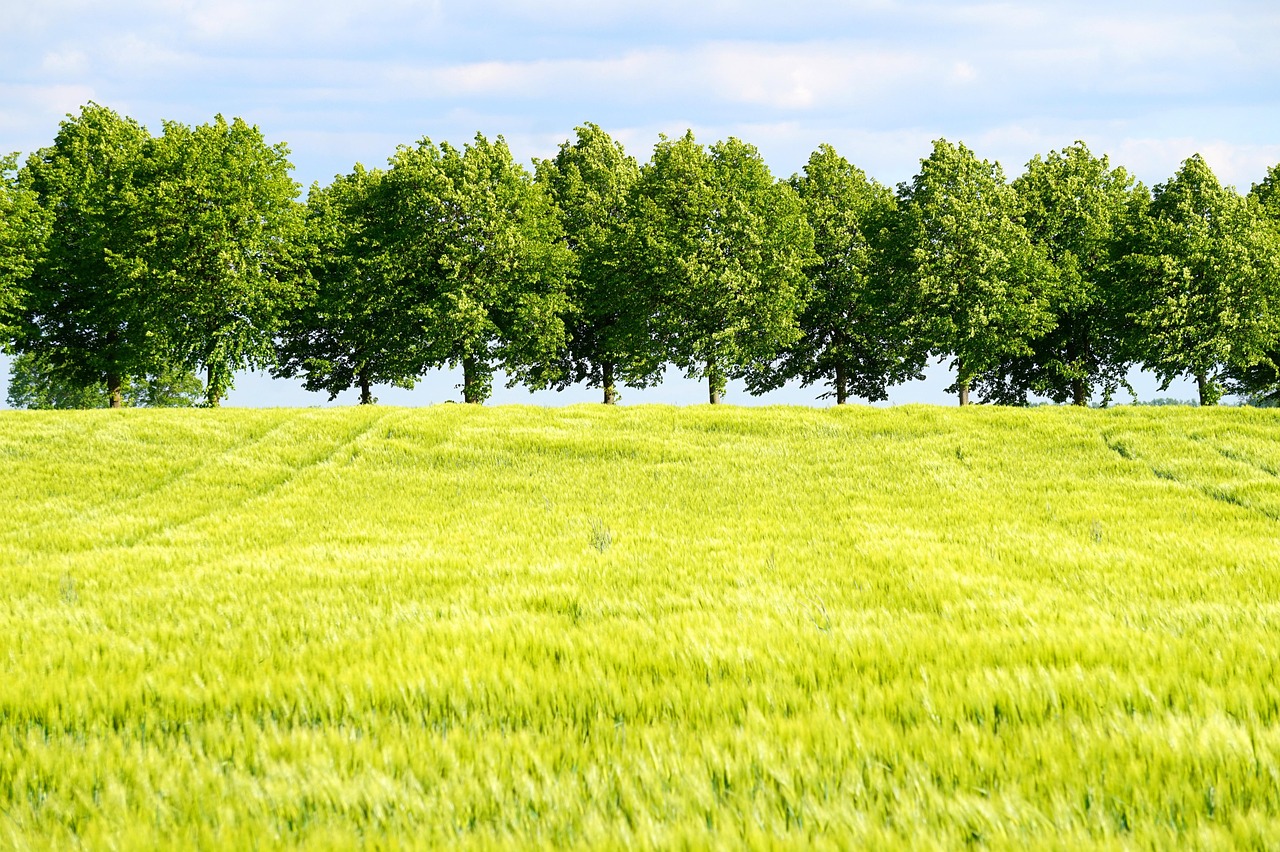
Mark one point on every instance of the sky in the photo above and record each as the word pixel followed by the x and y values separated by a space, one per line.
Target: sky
pixel 1146 83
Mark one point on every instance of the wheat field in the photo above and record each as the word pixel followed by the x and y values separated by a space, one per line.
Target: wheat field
pixel 642 627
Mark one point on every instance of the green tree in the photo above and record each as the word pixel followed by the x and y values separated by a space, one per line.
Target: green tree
pixel 353 327
pixel 855 331
pixel 1259 382
pixel 86 315
pixel 1203 271
pixel 33 383
pixel 478 249
pixel 1267 194
pixel 719 249
pixel 1074 206
pixel 220 237
pixel 22 235
pixel 983 290
pixel 589 180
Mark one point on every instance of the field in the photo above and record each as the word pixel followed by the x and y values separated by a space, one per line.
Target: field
pixel 645 627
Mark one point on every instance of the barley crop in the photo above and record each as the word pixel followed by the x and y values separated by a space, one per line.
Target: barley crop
pixel 642 627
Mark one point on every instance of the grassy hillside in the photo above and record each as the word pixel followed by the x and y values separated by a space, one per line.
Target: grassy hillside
pixel 649 626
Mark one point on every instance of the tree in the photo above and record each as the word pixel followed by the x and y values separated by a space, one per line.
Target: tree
pixel 1260 382
pixel 855 331
pixel 1204 273
pixel 34 384
pixel 22 234
pixel 983 290
pixel 719 249
pixel 220 233
pixel 589 180
pixel 86 315
pixel 353 327
pixel 1267 194
pixel 1074 206
pixel 478 249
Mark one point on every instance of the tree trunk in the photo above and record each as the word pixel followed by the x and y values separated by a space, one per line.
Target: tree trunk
pixel 1202 385
pixel 610 392
pixel 842 384
pixel 1079 388
pixel 212 395
pixel 471 393
pixel 715 382
pixel 366 393
pixel 964 393
pixel 115 390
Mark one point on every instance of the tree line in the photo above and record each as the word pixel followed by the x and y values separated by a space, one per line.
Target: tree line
pixel 148 269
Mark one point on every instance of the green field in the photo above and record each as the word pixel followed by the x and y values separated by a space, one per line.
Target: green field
pixel 646 627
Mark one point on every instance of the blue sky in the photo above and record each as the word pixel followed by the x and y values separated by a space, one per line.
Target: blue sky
pixel 1148 83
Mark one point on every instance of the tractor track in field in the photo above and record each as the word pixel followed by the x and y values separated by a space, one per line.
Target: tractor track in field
pixel 1212 492
pixel 148 529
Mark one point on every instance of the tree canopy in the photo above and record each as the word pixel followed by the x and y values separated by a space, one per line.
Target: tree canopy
pixel 86 313
pixel 126 258
pixel 353 328
pixel 1204 268
pixel 719 249
pixel 22 235
pixel 1267 194
pixel 983 290
pixel 1074 206
pixel 220 236
pixel 590 180
pixel 856 334
pixel 478 249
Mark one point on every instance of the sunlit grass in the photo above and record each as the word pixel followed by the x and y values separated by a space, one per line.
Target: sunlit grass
pixel 650 626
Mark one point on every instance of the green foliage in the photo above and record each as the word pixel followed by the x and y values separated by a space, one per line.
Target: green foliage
pixel 1259 381
pixel 35 384
pixel 590 180
pixel 449 628
pixel 855 331
pixel 353 328
pixel 719 249
pixel 22 235
pixel 220 232
pixel 1206 273
pixel 86 313
pixel 984 291
pixel 1267 194
pixel 1166 400
pixel 1074 206
pixel 477 247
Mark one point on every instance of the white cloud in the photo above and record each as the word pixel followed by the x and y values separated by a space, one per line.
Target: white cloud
pixel 31 113
pixel 788 77
pixel 1235 164
pixel 65 63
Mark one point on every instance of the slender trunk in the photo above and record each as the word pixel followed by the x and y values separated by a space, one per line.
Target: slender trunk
pixel 1202 385
pixel 1079 388
pixel 842 384
pixel 715 382
pixel 114 390
pixel 366 393
pixel 610 392
pixel 1079 393
pixel 964 393
pixel 213 394
pixel 471 393
pixel 962 383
